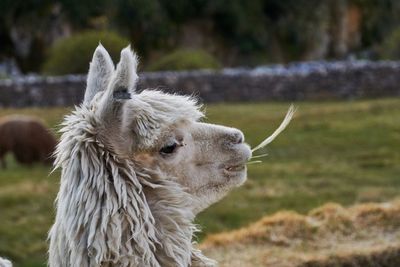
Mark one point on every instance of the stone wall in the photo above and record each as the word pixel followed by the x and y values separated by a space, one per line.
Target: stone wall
pixel 297 81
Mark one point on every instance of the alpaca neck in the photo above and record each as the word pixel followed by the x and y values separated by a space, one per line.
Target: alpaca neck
pixel 172 209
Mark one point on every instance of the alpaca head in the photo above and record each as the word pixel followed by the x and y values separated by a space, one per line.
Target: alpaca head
pixel 163 132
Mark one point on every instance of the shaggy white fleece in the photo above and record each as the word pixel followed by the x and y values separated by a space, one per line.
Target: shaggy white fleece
pixel 5 262
pixel 103 214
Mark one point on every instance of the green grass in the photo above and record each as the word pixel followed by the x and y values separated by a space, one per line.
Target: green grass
pixel 346 152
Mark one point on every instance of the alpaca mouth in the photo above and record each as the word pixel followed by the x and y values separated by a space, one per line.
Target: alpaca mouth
pixel 235 168
pixel 237 165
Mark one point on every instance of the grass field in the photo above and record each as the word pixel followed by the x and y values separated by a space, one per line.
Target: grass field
pixel 346 152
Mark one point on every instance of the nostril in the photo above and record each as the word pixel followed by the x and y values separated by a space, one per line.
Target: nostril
pixel 237 138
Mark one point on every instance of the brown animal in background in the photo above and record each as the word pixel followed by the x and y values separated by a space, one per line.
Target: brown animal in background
pixel 27 138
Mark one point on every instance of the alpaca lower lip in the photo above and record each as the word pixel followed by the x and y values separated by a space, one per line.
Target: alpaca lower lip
pixel 235 168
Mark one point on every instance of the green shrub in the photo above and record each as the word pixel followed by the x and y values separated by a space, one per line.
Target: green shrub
pixel 185 59
pixel 390 48
pixel 73 54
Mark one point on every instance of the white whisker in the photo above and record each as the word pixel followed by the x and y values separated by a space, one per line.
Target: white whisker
pixel 259 156
pixel 253 162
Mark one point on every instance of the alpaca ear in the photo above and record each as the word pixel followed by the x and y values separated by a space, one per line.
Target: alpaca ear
pixel 100 72
pixel 125 77
pixel 122 83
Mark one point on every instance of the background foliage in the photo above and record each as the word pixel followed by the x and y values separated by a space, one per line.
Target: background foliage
pixel 71 55
pixel 185 59
pixel 237 32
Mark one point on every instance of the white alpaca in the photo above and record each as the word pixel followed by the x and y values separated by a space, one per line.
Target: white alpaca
pixel 5 262
pixel 136 169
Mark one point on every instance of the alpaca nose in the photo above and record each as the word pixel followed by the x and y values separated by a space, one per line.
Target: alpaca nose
pixel 237 137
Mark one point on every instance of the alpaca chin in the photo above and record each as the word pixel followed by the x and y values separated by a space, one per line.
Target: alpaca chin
pixel 213 193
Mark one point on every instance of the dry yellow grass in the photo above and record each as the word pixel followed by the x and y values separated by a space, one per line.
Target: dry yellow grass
pixel 365 235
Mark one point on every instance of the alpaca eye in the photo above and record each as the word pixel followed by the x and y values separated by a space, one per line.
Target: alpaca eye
pixel 168 149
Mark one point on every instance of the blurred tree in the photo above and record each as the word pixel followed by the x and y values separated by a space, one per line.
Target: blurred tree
pixel 294 26
pixel 237 31
pixel 79 12
pixel 21 23
pixel 185 59
pixel 390 49
pixel 380 17
pixel 73 54
pixel 337 28
pixel 180 11
pixel 145 21
pixel 6 45
pixel 242 22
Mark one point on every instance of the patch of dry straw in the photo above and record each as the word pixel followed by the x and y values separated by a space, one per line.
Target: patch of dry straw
pixel 362 235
